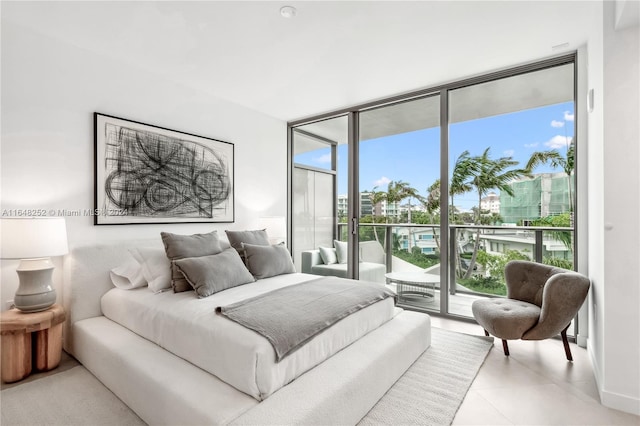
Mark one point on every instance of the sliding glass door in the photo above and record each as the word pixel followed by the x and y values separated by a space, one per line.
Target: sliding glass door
pixel 399 177
pixel 435 191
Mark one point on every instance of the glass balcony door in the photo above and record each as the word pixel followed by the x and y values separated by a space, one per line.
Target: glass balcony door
pixel 398 172
pixel 436 190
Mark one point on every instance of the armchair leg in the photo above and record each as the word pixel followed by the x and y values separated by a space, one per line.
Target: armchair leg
pixel 567 350
pixel 505 347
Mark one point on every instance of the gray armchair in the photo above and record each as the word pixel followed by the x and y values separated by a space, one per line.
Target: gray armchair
pixel 541 302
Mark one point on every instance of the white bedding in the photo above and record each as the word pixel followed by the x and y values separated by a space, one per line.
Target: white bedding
pixel 189 327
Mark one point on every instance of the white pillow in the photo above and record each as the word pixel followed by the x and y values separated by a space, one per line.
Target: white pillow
pixel 156 267
pixel 328 255
pixel 128 275
pixel 341 250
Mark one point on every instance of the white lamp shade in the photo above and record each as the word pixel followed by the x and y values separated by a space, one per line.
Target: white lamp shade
pixel 276 227
pixel 33 237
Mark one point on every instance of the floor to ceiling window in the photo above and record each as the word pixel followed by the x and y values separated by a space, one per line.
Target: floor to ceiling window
pixel 319 163
pixel 445 185
pixel 511 156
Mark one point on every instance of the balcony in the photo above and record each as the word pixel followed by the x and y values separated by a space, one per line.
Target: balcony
pixel 417 249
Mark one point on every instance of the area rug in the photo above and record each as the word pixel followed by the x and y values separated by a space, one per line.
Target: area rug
pixel 432 389
pixel 73 397
pixel 429 393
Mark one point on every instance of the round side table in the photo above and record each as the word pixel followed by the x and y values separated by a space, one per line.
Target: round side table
pixel 22 331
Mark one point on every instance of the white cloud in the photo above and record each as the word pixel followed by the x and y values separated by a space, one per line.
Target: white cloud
pixel 558 142
pixel 383 181
pixel 569 116
pixel 531 145
pixel 555 123
pixel 323 159
pixel 508 152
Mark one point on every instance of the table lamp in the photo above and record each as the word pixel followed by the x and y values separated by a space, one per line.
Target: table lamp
pixel 33 240
pixel 276 228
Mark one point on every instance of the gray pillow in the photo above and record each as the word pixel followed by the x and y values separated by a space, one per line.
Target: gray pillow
pixel 258 237
pixel 268 261
pixel 211 274
pixel 183 246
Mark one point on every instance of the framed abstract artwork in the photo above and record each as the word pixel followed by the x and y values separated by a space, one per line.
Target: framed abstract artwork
pixel 149 174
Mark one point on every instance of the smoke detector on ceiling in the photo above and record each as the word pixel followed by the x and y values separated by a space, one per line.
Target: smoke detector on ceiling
pixel 288 11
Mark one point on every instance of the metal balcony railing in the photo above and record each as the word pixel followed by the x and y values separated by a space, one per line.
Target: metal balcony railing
pixel 537 243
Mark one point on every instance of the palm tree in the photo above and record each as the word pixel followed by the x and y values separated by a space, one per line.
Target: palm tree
pixel 563 220
pixel 400 190
pixel 492 174
pixel 557 160
pixel 376 197
pixel 432 204
pixel 464 168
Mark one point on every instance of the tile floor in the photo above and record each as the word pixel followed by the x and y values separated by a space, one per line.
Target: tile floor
pixel 536 385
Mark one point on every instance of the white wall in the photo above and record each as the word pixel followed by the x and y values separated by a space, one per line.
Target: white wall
pixel 614 214
pixel 50 91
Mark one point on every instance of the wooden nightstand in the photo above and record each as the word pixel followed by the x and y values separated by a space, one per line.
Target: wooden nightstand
pixel 30 334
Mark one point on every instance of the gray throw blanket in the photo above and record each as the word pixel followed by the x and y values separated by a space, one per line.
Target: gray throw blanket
pixel 291 316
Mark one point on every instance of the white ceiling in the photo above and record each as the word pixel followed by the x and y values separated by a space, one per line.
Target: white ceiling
pixel 329 56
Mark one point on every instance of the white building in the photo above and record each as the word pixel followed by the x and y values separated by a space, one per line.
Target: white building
pixel 491 203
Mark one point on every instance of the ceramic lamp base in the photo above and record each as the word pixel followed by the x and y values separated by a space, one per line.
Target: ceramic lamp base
pixel 35 291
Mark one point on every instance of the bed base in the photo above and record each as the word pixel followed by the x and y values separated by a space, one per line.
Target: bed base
pixel 162 388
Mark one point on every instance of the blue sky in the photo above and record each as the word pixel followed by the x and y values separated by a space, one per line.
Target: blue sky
pixel 415 157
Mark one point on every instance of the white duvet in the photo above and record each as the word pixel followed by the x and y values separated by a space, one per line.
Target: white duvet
pixel 190 328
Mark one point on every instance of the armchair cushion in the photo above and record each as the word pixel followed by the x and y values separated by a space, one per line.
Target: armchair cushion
pixel 506 318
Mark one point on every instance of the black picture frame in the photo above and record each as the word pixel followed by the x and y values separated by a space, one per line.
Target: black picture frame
pixel 146 174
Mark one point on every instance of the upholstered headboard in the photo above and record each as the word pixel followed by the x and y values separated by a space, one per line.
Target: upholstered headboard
pixel 86 278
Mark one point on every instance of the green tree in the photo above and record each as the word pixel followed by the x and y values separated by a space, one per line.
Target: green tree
pixel 376 197
pixel 432 202
pixel 557 160
pixel 398 190
pixel 486 218
pixel 494 263
pixel 491 174
pixel 561 221
pixel 464 169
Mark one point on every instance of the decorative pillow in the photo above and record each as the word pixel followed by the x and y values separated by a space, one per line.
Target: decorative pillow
pixel 341 250
pixel 155 266
pixel 268 261
pixel 128 275
pixel 328 255
pixel 258 237
pixel 183 246
pixel 211 274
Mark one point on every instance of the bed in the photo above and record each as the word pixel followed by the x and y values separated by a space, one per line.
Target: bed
pixel 169 377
